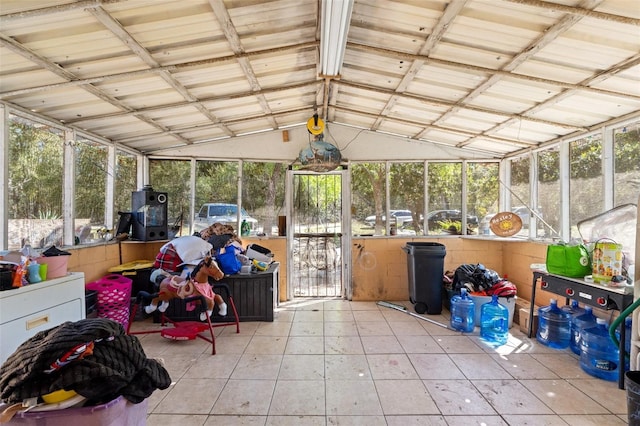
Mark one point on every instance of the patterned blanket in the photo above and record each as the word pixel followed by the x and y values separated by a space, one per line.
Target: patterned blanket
pixel 93 357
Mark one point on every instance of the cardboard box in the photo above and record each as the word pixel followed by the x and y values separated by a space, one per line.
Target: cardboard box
pixel 524 321
pixel 520 304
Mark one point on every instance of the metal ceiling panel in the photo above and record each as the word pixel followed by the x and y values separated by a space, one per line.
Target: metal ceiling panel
pixel 489 77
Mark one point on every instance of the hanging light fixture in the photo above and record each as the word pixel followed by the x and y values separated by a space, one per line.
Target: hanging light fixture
pixel 336 16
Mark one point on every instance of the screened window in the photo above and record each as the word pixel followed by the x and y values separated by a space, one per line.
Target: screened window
pixel 173 177
pixel 368 198
pixel 406 184
pixel 90 191
pixel 549 190
pixel 482 194
pixel 445 198
pixel 216 182
pixel 626 148
pixel 586 184
pixel 125 182
pixel 35 184
pixel 263 195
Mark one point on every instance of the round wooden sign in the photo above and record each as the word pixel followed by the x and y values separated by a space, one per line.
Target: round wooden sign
pixel 505 224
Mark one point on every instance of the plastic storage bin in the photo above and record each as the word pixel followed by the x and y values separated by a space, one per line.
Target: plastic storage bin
pixel 425 263
pixel 114 297
pixel 56 265
pixel 139 272
pixel 117 412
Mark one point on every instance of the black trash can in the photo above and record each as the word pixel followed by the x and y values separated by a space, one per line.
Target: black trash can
pixel 425 262
pixel 632 384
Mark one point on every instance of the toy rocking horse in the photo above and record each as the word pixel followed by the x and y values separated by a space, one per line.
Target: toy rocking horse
pixel 196 284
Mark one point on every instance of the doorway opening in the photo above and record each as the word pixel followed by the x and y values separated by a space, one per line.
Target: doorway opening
pixel 317 236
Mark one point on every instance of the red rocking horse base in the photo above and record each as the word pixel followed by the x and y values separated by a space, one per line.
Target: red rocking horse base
pixel 190 330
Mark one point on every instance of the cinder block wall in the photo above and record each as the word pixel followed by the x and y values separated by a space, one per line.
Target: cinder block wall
pixel 386 278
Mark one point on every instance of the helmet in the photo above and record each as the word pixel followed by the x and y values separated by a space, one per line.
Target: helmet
pixel 503 288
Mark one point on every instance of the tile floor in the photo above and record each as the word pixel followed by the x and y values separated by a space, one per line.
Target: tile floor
pixel 335 362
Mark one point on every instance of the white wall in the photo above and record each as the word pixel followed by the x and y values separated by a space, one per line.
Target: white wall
pixel 355 145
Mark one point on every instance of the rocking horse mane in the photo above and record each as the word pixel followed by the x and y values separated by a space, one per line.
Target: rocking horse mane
pixel 207 262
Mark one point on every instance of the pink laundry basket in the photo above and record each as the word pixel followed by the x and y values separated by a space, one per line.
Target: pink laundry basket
pixel 114 297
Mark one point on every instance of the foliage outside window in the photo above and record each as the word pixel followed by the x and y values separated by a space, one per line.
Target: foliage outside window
pixel 90 191
pixel 521 196
pixel 173 177
pixel 585 182
pixel 368 198
pixel 406 184
pixel 482 193
pixel 626 148
pixel 549 190
pixel 35 184
pixel 263 194
pixel 125 182
pixel 445 197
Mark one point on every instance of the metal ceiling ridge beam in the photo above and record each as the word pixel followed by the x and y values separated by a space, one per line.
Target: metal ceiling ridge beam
pixel 483 70
pixel 455 131
pixel 170 68
pixel 193 103
pixel 50 10
pixel 574 10
pixel 439 102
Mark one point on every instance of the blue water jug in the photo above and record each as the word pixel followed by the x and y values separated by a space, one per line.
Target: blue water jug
pixel 579 323
pixel 599 356
pixel 463 312
pixel 554 326
pixel 494 322
pixel 573 308
pixel 627 341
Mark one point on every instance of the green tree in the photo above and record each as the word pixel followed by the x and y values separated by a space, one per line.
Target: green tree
pixel 35 171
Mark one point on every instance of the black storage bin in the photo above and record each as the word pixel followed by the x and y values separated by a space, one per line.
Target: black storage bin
pixel 425 263
pixel 91 303
pixel 139 271
pixel 252 294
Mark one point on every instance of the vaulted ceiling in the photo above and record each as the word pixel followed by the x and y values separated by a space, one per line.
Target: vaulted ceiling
pixel 492 77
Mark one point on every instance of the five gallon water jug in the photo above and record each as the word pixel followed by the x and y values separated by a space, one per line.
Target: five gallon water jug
pixel 579 323
pixel 627 341
pixel 599 356
pixel 494 322
pixel 573 308
pixel 463 312
pixel 554 326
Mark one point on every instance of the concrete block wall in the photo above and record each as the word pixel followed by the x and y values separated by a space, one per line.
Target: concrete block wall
pixel 386 278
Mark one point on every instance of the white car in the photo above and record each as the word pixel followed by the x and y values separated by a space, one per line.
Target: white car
pixel 402 217
pixel 227 214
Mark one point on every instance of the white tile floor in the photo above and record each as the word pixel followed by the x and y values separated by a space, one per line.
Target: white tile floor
pixel 335 362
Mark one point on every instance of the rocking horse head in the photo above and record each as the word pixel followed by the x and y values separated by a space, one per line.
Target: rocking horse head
pixel 208 267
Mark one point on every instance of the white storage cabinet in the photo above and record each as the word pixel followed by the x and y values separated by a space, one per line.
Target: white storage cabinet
pixel 35 307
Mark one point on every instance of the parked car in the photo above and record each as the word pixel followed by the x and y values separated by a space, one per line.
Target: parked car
pixel 227 214
pixel 435 217
pixel 402 217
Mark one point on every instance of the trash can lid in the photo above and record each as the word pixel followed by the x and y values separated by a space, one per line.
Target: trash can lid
pixel 424 248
